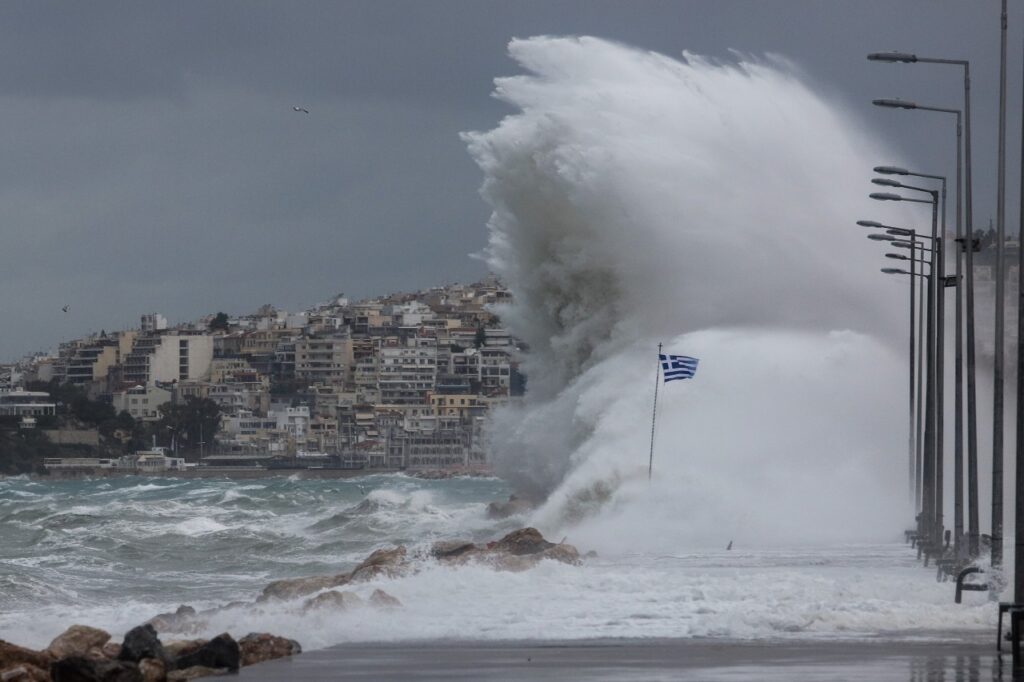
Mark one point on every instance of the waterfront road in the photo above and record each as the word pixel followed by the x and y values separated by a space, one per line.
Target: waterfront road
pixel 711 660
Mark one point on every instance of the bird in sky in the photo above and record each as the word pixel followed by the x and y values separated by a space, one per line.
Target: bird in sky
pixel 305 111
pixel 65 308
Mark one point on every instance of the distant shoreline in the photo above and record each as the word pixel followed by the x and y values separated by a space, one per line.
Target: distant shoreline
pixel 253 473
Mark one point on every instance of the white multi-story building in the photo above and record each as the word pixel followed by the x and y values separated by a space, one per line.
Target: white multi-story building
pixel 406 374
pixel 168 357
pixel 26 404
pixel 323 360
pixel 142 402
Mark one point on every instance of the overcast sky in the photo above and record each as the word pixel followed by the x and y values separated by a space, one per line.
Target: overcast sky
pixel 150 159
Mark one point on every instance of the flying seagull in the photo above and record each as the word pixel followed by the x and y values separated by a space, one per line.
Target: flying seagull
pixel 65 308
pixel 305 111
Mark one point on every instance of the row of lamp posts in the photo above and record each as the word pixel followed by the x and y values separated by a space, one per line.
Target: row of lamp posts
pixel 926 272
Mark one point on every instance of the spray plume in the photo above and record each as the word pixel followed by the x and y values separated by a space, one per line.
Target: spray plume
pixel 638 198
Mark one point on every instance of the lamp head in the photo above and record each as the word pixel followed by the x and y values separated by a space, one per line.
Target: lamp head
pixel 885 196
pixel 882 237
pixel 894 271
pixel 886 182
pixel 893 57
pixel 891 170
pixel 894 103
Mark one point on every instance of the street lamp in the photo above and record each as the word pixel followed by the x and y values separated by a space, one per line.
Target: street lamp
pixel 930 522
pixel 967 248
pixel 914 440
pixel 958 455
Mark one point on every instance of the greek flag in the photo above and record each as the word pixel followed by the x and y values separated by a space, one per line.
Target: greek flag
pixel 677 367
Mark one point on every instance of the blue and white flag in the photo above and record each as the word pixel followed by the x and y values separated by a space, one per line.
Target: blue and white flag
pixel 677 367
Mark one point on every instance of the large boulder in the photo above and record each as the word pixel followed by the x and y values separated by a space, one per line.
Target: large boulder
pixel 77 640
pixel 24 672
pixel 139 643
pixel 390 563
pixel 12 655
pixel 82 669
pixel 340 601
pixel 520 542
pixel 290 588
pixel 220 652
pixel 257 647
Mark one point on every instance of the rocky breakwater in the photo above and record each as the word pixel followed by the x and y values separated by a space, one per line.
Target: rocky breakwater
pixel 518 551
pixel 86 654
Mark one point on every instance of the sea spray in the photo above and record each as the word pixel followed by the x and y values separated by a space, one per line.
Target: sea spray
pixel 638 198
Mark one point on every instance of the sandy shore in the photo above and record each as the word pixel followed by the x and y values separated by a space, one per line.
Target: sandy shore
pixel 642 660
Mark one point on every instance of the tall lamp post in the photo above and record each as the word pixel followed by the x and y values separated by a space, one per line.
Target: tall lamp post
pixel 958 411
pixel 917 329
pixel 913 437
pixel 968 249
pixel 924 479
pixel 933 407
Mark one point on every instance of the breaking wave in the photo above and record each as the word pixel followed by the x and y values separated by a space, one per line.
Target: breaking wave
pixel 639 198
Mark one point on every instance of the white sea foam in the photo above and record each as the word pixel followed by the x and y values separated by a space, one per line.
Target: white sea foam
pixel 199 525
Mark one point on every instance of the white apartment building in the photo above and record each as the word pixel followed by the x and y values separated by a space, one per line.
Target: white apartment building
pixel 323 360
pixel 168 357
pixel 407 373
pixel 141 402
pixel 26 404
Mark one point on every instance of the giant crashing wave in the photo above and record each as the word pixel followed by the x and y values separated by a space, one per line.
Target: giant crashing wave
pixel 637 199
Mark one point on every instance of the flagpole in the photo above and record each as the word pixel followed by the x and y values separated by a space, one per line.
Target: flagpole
pixel 654 416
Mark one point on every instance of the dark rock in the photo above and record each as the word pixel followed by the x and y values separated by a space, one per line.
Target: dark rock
pixel 82 669
pixel 257 647
pixel 12 655
pixel 220 652
pixel 141 642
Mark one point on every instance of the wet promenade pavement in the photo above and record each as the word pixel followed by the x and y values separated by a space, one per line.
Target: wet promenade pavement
pixel 646 660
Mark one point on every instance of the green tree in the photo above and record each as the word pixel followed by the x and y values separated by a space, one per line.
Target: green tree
pixel 194 421
pixel 219 321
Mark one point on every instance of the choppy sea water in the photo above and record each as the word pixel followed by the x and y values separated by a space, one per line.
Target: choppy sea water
pixel 115 552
